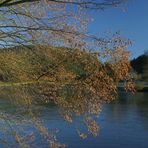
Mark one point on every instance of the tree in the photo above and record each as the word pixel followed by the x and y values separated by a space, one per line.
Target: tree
pixel 140 65
pixel 84 74
pixel 61 22
pixel 87 4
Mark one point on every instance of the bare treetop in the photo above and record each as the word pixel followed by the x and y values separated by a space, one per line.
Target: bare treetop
pixel 87 4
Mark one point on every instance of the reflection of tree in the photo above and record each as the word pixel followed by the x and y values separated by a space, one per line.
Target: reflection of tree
pixel 142 109
pixel 119 108
pixel 18 114
pixel 127 106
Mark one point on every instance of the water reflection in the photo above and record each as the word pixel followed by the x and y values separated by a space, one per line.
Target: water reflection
pixel 21 123
pixel 123 123
pixel 130 106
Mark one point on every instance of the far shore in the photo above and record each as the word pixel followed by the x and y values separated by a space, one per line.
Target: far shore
pixel 139 85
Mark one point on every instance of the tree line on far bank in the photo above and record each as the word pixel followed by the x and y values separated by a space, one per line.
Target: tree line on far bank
pixel 140 66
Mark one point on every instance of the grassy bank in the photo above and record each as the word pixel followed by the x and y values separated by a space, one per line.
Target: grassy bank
pixel 141 86
pixel 25 65
pixel 10 84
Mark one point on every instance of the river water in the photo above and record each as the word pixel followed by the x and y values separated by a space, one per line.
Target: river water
pixel 123 124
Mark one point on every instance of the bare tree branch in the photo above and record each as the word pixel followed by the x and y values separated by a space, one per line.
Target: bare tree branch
pixel 88 4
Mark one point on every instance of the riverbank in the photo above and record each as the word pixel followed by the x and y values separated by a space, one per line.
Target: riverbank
pixel 10 84
pixel 140 86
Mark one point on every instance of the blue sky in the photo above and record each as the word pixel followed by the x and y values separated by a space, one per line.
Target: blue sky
pixel 133 24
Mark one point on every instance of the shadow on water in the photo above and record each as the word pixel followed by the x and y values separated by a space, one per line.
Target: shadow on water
pixel 123 122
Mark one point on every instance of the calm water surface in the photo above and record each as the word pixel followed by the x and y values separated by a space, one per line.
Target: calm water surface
pixel 123 124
